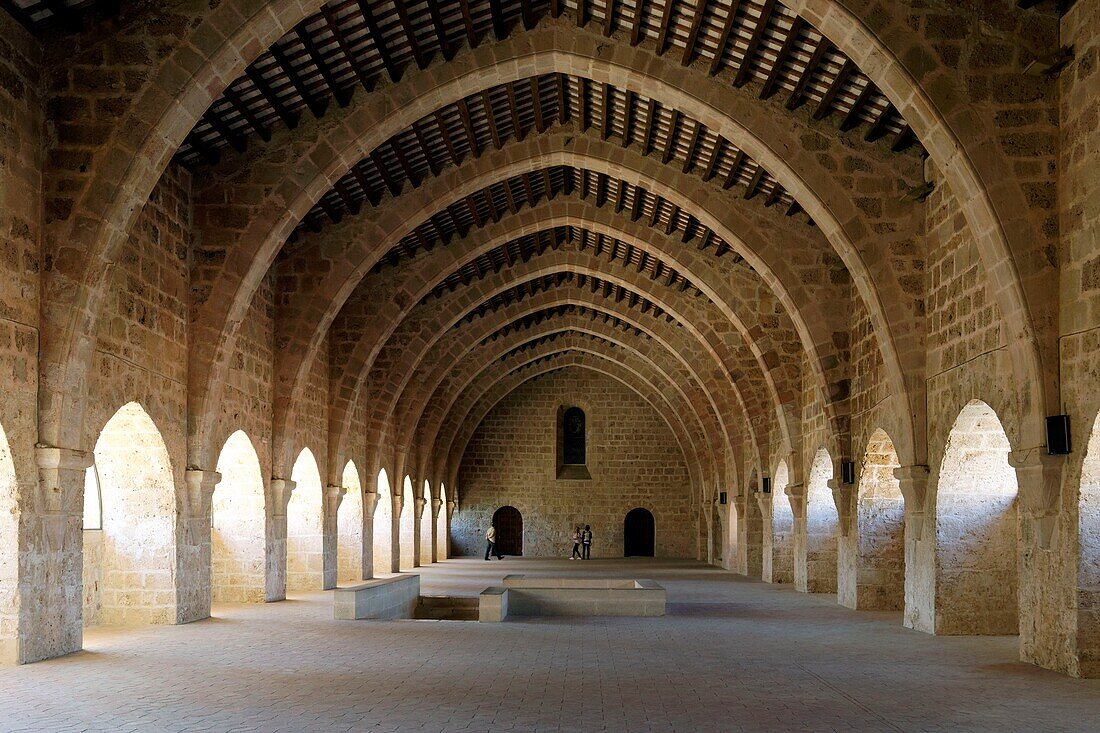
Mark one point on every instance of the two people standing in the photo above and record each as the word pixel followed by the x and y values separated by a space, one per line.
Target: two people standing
pixel 582 540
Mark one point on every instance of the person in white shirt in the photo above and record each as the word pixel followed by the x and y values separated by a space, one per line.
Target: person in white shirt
pixel 491 543
pixel 576 543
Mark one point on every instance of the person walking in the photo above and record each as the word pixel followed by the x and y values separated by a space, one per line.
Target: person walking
pixel 576 543
pixel 491 543
pixel 586 540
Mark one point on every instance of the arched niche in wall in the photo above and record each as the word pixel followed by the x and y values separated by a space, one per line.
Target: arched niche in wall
pixel 382 539
pixel 571 442
pixel 407 524
pixel 426 527
pixel 778 562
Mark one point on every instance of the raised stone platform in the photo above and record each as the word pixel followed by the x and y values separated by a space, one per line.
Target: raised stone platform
pixel 522 595
pixel 382 598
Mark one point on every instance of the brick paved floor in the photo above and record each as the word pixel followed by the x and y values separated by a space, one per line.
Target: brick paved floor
pixel 732 655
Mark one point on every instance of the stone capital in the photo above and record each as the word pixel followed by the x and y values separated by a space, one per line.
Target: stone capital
pixel 418 507
pixel 452 506
pixel 61 477
pixel 281 489
pixel 1039 477
pixel 437 504
pixel 334 496
pixel 370 503
pixel 842 498
pixel 796 495
pixel 200 490
pixel 913 482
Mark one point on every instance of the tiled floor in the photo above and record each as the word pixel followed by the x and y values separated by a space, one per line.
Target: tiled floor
pixel 732 655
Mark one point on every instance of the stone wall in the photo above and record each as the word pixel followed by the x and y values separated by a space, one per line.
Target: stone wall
pixel 632 457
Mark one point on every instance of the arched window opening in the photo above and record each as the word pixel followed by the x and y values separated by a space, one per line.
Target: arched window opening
pixel 976 529
pixel 129 566
pixel 441 525
pixel 639 533
pixel 778 564
pixel 426 527
pixel 509 525
pixel 9 550
pixel 408 521
pixel 816 568
pixel 93 500
pixel 572 444
pixel 382 539
pixel 238 525
pixel 349 527
pixel 872 556
pixel 305 526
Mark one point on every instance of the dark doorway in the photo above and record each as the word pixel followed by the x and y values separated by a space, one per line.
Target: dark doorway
pixel 638 533
pixel 509 524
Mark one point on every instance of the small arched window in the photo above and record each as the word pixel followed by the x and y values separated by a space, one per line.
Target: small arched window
pixel 572 448
pixel 573 452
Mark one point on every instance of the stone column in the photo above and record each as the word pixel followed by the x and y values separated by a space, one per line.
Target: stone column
pixel 398 499
pixel 275 552
pixel 51 560
pixel 1041 554
pixel 334 496
pixel 798 542
pixel 437 504
pixel 370 503
pixel 418 515
pixel 920 550
pixel 195 585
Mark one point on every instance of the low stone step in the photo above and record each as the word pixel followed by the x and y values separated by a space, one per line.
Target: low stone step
pixel 448 601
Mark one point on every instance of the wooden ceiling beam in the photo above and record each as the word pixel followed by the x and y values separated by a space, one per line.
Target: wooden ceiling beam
pixel 446 48
pixel 316 106
pixel 628 118
pixel 529 19
pixel 490 118
pixel 387 175
pixel 605 123
pixel 403 161
pixel 464 113
pixel 582 13
pixel 446 138
pixel 247 114
pixel 410 35
pixel 771 83
pixel 693 147
pixel 852 119
pixel 754 183
pixel 647 135
pixel 744 72
pixel 798 95
pixel 731 177
pixel 536 104
pixel 715 156
pixel 609 18
pixel 662 34
pixel 426 150
pixel 724 37
pixel 379 43
pixel 468 22
pixel 564 111
pixel 353 59
pixel 880 127
pixel 500 27
pixel 342 95
pixel 693 33
pixel 670 141
pixel 289 118
pixel 825 106
pixel 636 24
pixel 513 111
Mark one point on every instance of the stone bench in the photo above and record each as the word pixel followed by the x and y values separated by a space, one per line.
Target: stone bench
pixel 382 598
pixel 525 596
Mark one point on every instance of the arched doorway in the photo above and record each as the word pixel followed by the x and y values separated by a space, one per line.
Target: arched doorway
pixel 639 533
pixel 238 525
pixel 381 540
pixel 130 564
pixel 976 529
pixel 509 524
pixel 815 569
pixel 305 526
pixel 407 523
pixel 349 527
pixel 872 557
pixel 778 561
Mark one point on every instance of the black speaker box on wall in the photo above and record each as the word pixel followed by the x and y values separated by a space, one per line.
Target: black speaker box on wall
pixel 1058 438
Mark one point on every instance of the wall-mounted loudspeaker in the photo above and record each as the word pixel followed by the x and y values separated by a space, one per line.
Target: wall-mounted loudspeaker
pixel 766 485
pixel 721 497
pixel 1058 438
pixel 848 472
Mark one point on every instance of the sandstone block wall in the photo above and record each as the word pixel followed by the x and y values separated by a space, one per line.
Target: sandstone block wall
pixel 632 456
